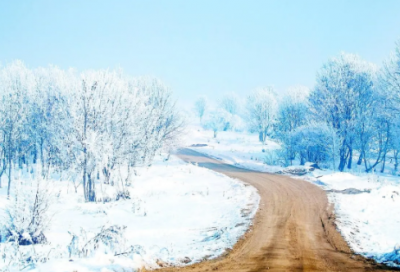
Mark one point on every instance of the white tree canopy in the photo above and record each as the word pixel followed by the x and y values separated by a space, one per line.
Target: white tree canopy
pixel 262 106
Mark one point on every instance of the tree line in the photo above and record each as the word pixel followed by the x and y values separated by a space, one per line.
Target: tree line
pixel 89 124
pixel 351 115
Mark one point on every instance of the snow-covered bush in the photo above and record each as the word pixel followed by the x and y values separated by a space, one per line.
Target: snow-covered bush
pixel 109 239
pixel 13 256
pixel 27 216
pixel 275 157
pixel 313 143
pixel 292 113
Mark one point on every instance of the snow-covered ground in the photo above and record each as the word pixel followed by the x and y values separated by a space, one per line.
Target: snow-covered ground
pixel 177 214
pixel 369 221
pixel 237 148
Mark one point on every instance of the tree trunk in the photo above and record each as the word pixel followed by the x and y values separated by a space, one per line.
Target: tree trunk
pixel 20 158
pixel 378 160
pixel 3 168
pixel 107 174
pixel 343 159
pixel 90 191
pixel 383 162
pixel 265 135
pixel 9 162
pixel 9 174
pixel 261 136
pixel 26 161
pixel 34 154
pixel 215 133
pixel 291 157
pixel 3 165
pixel 302 160
pixel 396 160
pixel 84 180
pixel 350 158
pixel 375 164
pixel 41 156
pixel 343 156
pixel 360 158
pixel 365 161
pixel 88 184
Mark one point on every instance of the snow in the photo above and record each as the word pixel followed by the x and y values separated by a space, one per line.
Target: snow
pixel 369 221
pixel 178 214
pixel 237 148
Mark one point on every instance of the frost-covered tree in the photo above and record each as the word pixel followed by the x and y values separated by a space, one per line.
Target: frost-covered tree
pixel 3 162
pixel 200 107
pixel 162 122
pixel 261 107
pixel 230 103
pixel 314 142
pixel 292 113
pixel 390 83
pixel 90 124
pixel 344 87
pixel 386 112
pixel 293 109
pixel 380 127
pixel 390 78
pixel 395 143
pixel 95 98
pixel 216 121
pixel 16 82
pixel 48 116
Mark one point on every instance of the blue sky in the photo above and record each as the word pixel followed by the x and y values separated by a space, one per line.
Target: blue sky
pixel 199 47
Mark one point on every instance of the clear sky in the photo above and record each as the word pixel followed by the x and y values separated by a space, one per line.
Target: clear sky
pixel 199 47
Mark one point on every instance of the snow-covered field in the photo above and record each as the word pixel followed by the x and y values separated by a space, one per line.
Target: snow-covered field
pixel 177 214
pixel 237 148
pixel 369 221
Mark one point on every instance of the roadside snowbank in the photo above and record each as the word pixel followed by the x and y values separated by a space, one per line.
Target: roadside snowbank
pixel 369 222
pixel 177 214
pixel 368 211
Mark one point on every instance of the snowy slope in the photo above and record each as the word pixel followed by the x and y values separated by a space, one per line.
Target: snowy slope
pixel 178 214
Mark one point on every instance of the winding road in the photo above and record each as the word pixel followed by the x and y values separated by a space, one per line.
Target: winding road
pixel 293 229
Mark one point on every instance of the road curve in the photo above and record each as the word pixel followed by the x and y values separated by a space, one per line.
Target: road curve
pixel 293 229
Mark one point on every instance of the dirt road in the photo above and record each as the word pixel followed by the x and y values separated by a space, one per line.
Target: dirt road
pixel 293 229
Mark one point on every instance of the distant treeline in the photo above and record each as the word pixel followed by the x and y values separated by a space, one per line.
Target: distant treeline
pixel 352 115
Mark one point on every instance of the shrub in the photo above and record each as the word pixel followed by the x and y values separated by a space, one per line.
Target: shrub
pixel 27 215
pixel 110 237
